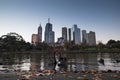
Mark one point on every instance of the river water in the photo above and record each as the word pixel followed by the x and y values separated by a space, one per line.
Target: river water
pixel 49 61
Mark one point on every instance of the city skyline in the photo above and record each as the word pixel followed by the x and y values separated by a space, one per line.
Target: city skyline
pixel 24 17
pixel 72 35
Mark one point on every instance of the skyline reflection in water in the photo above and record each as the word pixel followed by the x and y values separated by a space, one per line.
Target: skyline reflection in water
pixel 75 62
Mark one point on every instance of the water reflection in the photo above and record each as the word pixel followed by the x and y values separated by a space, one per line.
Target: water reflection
pixel 42 63
pixel 59 62
pixel 109 62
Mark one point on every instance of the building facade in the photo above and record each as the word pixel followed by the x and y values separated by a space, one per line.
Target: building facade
pixel 51 37
pixel 84 37
pixel 69 35
pixel 76 36
pixel 49 34
pixel 64 34
pixel 40 33
pixel 34 39
pixel 91 38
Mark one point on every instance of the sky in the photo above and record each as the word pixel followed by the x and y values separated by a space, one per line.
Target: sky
pixel 24 17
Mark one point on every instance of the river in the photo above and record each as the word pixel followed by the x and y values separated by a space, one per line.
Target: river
pixel 49 61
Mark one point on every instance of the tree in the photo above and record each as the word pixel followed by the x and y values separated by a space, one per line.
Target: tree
pixel 113 44
pixel 67 45
pixel 12 42
pixel 118 44
pixel 100 45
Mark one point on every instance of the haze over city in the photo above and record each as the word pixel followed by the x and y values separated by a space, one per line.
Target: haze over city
pixel 24 17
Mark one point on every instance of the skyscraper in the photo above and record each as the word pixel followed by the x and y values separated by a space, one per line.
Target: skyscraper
pixel 69 33
pixel 49 34
pixel 91 40
pixel 34 39
pixel 64 34
pixel 84 37
pixel 51 37
pixel 76 36
pixel 40 33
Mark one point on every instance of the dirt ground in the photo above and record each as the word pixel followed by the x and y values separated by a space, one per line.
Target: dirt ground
pixel 82 75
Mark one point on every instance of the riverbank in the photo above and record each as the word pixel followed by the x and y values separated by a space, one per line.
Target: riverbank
pixel 50 75
pixel 87 50
pixel 85 75
pixel 67 51
pixel 8 76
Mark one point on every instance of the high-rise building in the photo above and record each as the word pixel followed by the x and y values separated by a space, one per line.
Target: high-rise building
pixel 76 36
pixel 84 37
pixel 51 37
pixel 69 33
pixel 40 33
pixel 64 34
pixel 34 39
pixel 91 40
pixel 49 34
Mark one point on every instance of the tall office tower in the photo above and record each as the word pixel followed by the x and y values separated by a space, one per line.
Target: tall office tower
pixel 51 37
pixel 87 40
pixel 69 33
pixel 49 34
pixel 40 33
pixel 84 37
pixel 76 37
pixel 91 38
pixel 64 33
pixel 34 39
pixel 73 33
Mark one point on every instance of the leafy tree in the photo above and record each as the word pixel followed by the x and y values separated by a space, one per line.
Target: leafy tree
pixel 67 45
pixel 113 44
pixel 100 45
pixel 13 42
pixel 42 46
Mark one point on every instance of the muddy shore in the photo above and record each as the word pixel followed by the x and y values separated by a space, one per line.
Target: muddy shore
pixel 81 75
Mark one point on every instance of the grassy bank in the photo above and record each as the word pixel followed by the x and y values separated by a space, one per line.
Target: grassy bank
pixel 86 50
pixel 94 50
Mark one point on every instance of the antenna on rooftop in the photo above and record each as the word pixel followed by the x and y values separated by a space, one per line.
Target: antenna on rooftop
pixel 48 20
pixel 40 24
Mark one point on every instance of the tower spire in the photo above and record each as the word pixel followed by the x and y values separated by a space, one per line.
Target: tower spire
pixel 40 23
pixel 48 20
